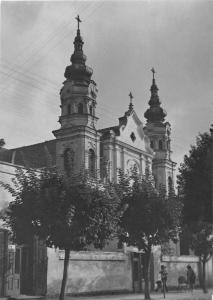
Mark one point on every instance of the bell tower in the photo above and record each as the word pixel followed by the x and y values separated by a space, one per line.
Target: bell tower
pixel 159 133
pixel 77 140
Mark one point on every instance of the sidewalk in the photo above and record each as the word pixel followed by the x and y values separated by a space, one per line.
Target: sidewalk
pixel 196 295
pixel 173 295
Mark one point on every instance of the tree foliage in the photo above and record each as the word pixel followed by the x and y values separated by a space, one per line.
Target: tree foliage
pixel 194 181
pixel 69 213
pixel 150 217
pixel 202 240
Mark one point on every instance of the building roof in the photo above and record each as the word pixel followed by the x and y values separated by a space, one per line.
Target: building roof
pixel 33 156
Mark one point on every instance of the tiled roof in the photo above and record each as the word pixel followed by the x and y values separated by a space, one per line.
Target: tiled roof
pixel 33 156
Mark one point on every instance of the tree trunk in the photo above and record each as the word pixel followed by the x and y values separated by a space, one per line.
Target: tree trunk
pixel 64 280
pixel 146 274
pixel 204 276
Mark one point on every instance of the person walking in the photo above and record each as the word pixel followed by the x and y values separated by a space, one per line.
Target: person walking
pixel 190 277
pixel 164 275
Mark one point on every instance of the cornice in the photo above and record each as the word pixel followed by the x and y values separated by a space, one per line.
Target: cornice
pixel 126 147
pixel 163 162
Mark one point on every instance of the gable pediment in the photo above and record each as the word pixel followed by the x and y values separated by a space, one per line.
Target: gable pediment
pixel 132 133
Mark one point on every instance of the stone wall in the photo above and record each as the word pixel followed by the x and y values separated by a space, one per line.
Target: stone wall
pixel 89 271
pixel 209 273
pixel 176 266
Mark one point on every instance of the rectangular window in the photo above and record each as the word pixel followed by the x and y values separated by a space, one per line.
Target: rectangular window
pixel 17 261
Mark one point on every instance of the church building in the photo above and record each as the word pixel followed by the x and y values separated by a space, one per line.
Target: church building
pixel 128 143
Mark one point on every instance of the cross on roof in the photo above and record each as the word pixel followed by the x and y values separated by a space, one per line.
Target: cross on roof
pixel 153 72
pixel 131 97
pixel 78 20
pixel 130 104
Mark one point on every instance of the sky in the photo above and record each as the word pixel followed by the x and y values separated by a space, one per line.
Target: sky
pixel 123 40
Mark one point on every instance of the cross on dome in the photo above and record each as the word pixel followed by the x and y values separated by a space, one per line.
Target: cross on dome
pixel 78 20
pixel 131 96
pixel 153 72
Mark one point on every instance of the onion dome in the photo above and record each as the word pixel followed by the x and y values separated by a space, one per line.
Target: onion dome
pixel 78 71
pixel 155 113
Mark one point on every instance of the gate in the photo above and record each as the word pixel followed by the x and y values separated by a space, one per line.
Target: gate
pixel 34 268
pixel 23 269
pixel 13 271
pixel 40 267
pixel 136 272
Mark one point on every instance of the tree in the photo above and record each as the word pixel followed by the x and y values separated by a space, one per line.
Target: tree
pixel 201 241
pixel 150 217
pixel 194 181
pixel 194 184
pixel 69 213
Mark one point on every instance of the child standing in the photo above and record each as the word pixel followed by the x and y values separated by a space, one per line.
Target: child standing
pixel 164 275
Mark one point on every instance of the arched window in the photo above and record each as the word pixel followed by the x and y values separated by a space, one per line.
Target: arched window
pixel 91 162
pixel 170 183
pixel 152 144
pixel 160 144
pixel 80 108
pixel 168 144
pixel 68 109
pixel 68 160
pixel 90 109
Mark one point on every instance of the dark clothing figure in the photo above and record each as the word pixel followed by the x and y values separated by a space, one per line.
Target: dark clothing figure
pixel 190 277
pixel 164 274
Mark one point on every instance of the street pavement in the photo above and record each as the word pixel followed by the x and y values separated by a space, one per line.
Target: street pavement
pixel 183 295
pixel 173 295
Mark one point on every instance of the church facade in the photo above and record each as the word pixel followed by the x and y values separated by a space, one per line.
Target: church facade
pixel 126 144
pixel 79 144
